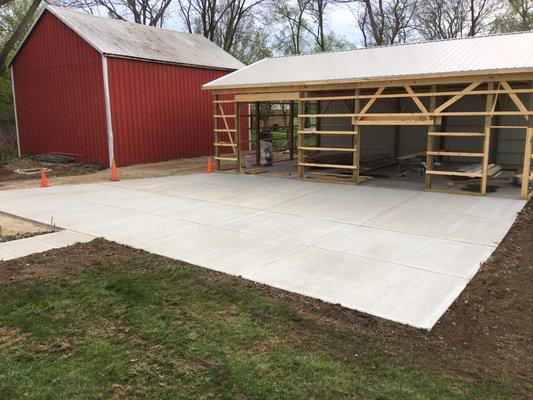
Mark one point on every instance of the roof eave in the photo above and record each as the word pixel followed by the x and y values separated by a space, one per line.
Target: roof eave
pixel 423 77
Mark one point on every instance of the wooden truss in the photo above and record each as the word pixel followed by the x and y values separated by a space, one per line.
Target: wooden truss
pixel 440 97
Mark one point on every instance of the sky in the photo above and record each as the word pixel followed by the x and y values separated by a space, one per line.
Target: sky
pixel 339 19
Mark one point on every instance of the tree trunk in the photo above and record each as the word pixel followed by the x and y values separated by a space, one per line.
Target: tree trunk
pixel 18 34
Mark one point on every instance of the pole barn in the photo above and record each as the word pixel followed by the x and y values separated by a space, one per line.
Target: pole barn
pixel 98 88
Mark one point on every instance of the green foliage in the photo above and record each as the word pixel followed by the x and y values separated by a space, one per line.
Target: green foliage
pixel 6 96
pixel 146 330
pixel 517 17
pixel 10 17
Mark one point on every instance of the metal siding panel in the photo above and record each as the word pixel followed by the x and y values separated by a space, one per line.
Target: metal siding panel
pixel 159 111
pixel 59 92
pixel 454 56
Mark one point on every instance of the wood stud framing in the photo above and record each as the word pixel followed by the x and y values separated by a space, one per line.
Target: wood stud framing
pixel 454 88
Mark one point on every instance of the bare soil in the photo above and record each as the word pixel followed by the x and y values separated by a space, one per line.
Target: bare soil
pixel 487 331
pixel 13 228
pixel 74 173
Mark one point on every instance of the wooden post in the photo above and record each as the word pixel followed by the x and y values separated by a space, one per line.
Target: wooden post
pixel 257 131
pixel 356 139
pixel 396 132
pixel 238 151
pixel 291 130
pixel 431 139
pixel 486 142
pixel 301 127
pixel 215 123
pixel 526 171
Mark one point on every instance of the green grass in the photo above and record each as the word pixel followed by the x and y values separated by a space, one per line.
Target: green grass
pixel 7 154
pixel 153 329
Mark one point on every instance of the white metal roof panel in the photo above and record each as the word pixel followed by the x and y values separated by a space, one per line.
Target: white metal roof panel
pixel 126 39
pixel 457 56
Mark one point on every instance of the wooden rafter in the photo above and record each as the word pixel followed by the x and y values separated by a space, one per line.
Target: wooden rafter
pixel 371 101
pixel 415 98
pixel 516 100
pixel 457 97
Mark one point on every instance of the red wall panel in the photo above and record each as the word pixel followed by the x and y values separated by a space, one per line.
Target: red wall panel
pixel 159 111
pixel 59 94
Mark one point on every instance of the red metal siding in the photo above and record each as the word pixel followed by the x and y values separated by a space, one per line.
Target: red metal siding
pixel 159 111
pixel 59 94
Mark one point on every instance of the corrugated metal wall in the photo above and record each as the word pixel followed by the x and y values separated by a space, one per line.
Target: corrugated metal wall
pixel 507 145
pixel 159 111
pixel 59 94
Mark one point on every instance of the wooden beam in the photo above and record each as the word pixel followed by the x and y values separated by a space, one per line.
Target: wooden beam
pixel 417 101
pixel 455 98
pixel 455 173
pixel 315 132
pixel 454 154
pixel 421 94
pixel 283 96
pixel 430 142
pixel 346 149
pixel 351 84
pixel 371 101
pixel 486 143
pixel 301 127
pixel 356 160
pixel 317 165
pixel 458 134
pixel 528 143
pixel 237 148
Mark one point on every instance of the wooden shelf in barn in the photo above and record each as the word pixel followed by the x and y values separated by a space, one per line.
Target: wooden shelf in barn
pixel 454 154
pixel 224 144
pixel 455 173
pixel 341 166
pixel 227 159
pixel 458 134
pixel 345 149
pixel 314 132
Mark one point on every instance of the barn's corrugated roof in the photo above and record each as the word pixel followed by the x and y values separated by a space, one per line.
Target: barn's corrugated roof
pixel 125 39
pixel 498 53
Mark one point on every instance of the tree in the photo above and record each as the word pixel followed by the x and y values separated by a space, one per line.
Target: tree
pixel 16 19
pixel 384 22
pixel 146 12
pixel 293 25
pixel 518 16
pixel 317 11
pixel 444 19
pixel 222 22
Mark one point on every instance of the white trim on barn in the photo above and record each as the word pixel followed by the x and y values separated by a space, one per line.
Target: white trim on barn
pixel 108 121
pixel 15 110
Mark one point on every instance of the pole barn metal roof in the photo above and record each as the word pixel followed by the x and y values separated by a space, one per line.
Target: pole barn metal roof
pixel 488 54
pixel 130 40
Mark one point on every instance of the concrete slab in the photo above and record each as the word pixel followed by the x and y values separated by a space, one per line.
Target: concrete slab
pixel 398 254
pixel 64 238
pixel 463 228
pixel 447 257
pixel 25 247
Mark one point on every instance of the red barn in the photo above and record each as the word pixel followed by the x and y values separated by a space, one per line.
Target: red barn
pixel 99 88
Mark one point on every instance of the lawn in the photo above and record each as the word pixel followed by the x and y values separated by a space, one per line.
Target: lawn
pixel 100 320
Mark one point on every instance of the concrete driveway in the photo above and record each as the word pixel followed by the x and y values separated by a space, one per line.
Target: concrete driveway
pixel 397 254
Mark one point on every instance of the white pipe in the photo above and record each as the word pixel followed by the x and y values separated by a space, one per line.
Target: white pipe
pixel 109 125
pixel 15 108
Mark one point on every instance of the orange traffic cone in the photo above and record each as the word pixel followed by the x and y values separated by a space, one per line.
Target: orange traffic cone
pixel 114 172
pixel 44 179
pixel 209 165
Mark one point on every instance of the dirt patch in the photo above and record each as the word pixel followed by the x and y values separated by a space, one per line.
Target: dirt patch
pixel 88 173
pixel 487 331
pixel 13 228
pixel 7 171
